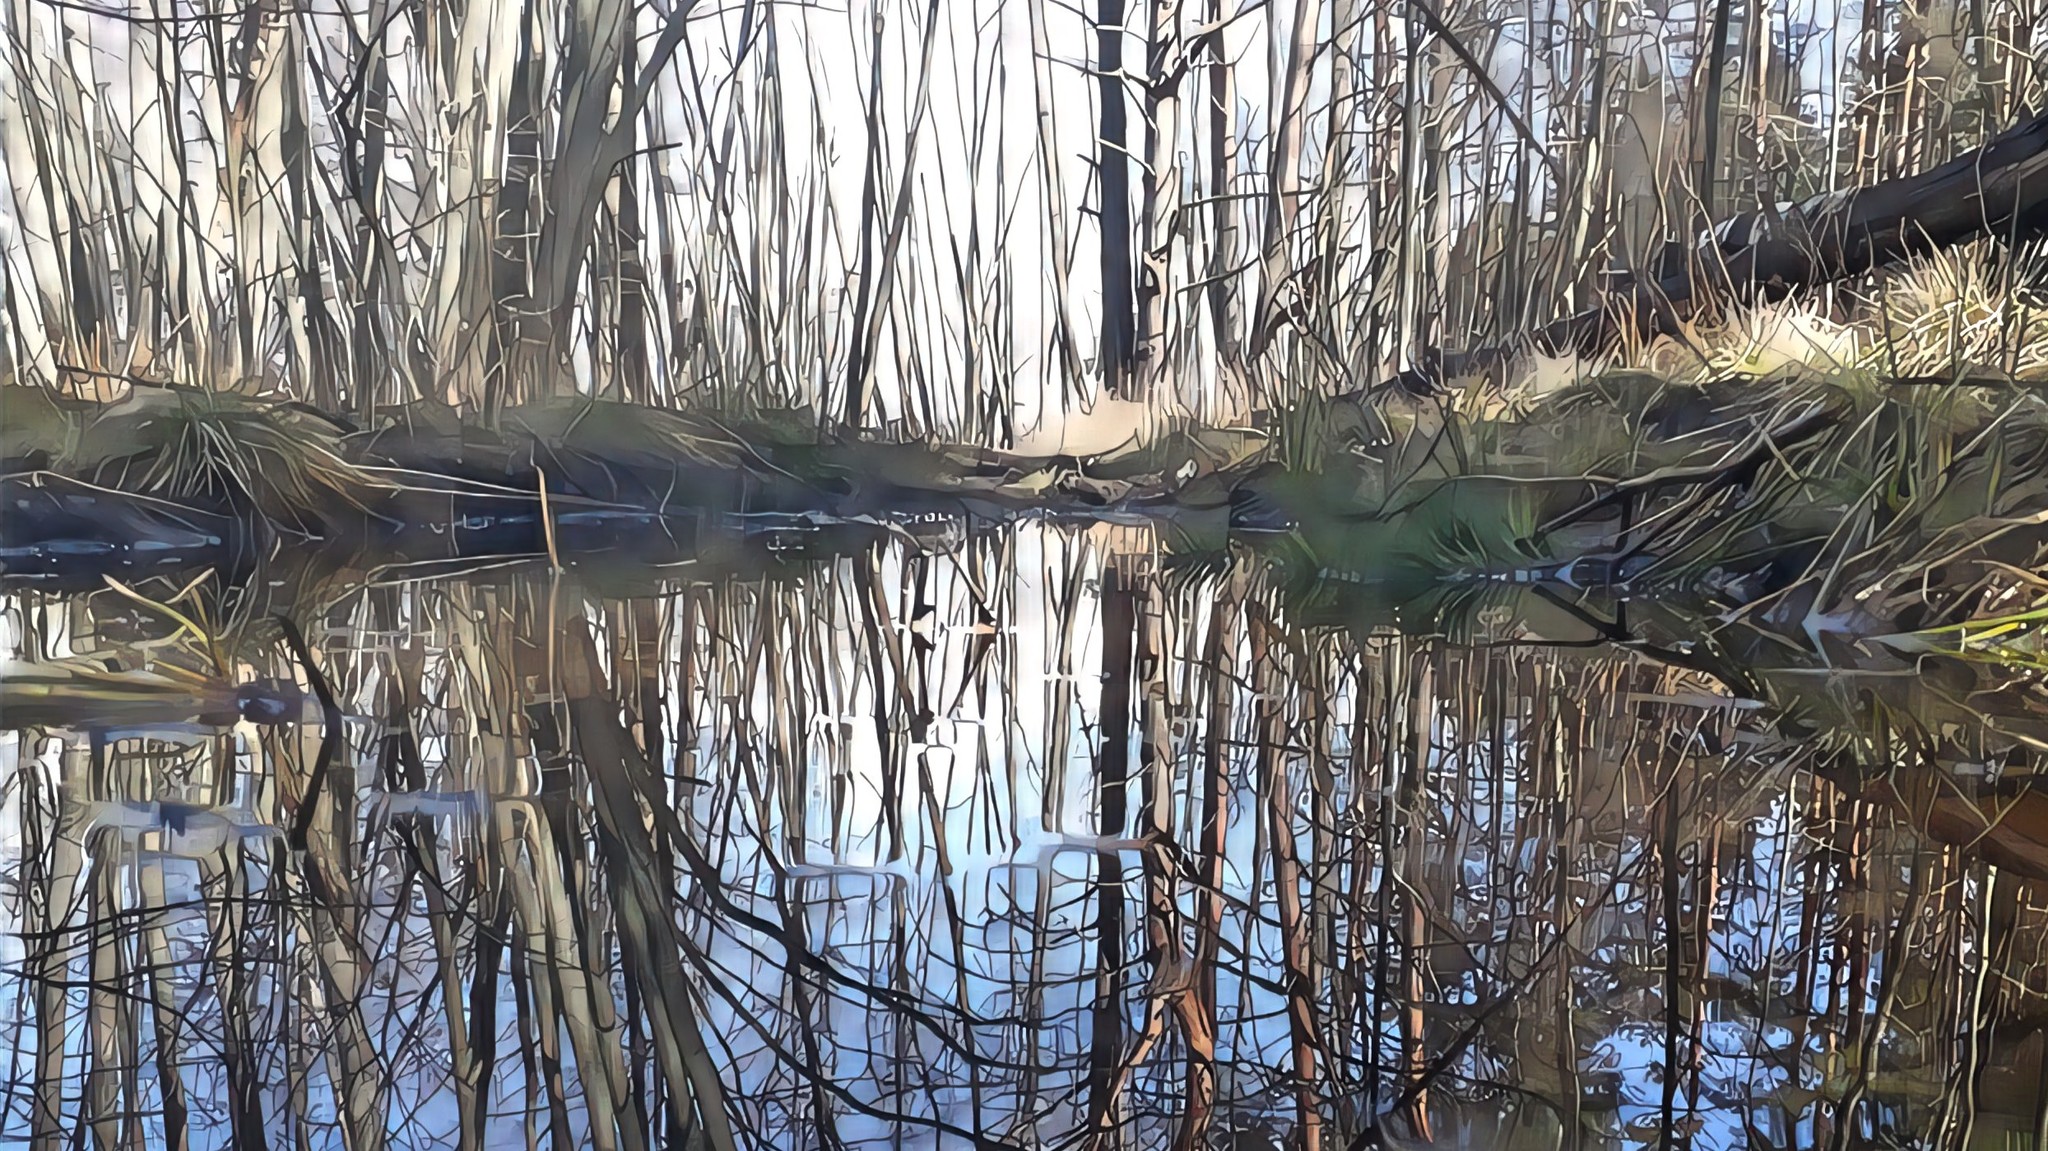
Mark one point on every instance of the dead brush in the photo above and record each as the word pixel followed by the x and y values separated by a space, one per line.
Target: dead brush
pixel 1960 312
pixel 1788 337
pixel 1975 310
pixel 282 462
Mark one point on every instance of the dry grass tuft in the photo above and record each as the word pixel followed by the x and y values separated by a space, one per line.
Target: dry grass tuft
pixel 1977 310
pixel 1961 312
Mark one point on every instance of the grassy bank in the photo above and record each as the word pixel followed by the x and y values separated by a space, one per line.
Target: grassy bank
pixel 156 460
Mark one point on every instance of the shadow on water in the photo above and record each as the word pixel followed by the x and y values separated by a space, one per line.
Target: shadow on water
pixel 1017 836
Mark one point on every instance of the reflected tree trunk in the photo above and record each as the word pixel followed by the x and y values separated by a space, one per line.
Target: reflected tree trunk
pixel 1199 1092
pixel 165 1013
pixel 1112 777
pixel 620 781
pixel 1275 755
pixel 54 864
pixel 1414 924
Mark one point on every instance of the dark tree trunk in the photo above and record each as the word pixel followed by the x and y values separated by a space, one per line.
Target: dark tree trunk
pixel 1119 339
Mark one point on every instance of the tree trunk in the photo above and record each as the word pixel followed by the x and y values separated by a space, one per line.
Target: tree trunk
pixel 1160 215
pixel 1113 169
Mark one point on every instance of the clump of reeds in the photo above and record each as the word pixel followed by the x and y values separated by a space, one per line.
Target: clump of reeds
pixel 1974 310
pixel 283 462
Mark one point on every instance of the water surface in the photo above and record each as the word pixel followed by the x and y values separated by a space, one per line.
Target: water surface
pixel 1026 835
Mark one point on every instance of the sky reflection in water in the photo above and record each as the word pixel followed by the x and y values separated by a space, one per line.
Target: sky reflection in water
pixel 1487 892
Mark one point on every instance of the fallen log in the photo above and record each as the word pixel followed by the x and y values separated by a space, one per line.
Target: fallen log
pixel 2000 190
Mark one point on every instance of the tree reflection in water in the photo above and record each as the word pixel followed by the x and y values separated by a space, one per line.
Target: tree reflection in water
pixel 1033 840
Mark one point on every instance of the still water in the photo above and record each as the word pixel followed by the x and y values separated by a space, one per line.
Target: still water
pixel 1023 835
